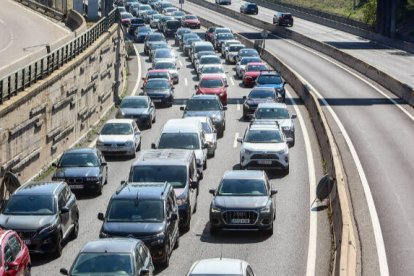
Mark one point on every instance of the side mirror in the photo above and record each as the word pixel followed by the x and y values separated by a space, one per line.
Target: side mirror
pixel 12 266
pixel 240 139
pixel 182 108
pixel 123 182
pixel 104 164
pixel 205 145
pixel 150 68
pixel 194 185
pixel 294 116
pixel 64 210
pixel 143 79
pixel 196 87
pixel 224 107
pixel 226 85
pixel 144 271
pixel 212 191
pixel 284 83
pixel 153 146
pixel 273 192
pixel 101 216
pixel 244 97
pixel 64 271
pixel 173 217
pixel 54 165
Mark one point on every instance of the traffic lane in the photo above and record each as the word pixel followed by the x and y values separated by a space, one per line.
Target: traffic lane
pixel 395 62
pixel 362 109
pixel 24 31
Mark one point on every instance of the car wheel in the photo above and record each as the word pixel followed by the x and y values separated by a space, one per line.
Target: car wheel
pixel 75 230
pixel 57 252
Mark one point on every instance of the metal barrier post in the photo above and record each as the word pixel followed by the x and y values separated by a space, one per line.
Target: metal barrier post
pixel 1 91
pixel 23 78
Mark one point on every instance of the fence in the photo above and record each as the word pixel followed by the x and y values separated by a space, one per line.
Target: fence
pixel 24 77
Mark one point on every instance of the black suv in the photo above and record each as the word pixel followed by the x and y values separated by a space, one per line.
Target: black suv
pixel 256 96
pixel 145 211
pixel 44 214
pixel 243 200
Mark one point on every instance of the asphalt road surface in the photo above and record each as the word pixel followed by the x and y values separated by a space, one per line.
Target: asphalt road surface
pixel 375 137
pixel 283 253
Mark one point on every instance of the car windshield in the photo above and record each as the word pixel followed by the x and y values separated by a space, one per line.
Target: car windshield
pixel 158 75
pixel 210 60
pixel 144 30
pixel 190 40
pixel 164 65
pixel 189 35
pixel 178 13
pixel 256 67
pixel 248 52
pixel 271 113
pixel 156 46
pixel 173 24
pixel 211 83
pixel 136 21
pixel 116 129
pixel 35 205
pixel 263 136
pixel 183 31
pixel 190 17
pixel 175 175
pixel 202 105
pixel 179 141
pixel 157 84
pixel 170 9
pixel 163 53
pixel 242 187
pixel 220 31
pixel 244 61
pixel 135 210
pixel 206 127
pixel 80 159
pixel 269 79
pixel 235 48
pixel 225 36
pixel 144 8
pixel 156 16
pixel 102 264
pixel 156 37
pixel 134 103
pixel 262 94
pixel 126 15
pixel 204 48
pixel 212 70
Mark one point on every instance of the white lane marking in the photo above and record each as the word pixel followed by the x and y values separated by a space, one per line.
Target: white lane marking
pixel 136 87
pixel 1 21
pixel 235 140
pixel 353 74
pixel 40 16
pixel 11 40
pixel 232 81
pixel 313 220
pixel 179 61
pixel 185 81
pixel 238 105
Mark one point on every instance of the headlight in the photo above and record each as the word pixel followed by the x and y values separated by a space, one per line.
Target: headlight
pixel 181 201
pixel 199 162
pixel 221 94
pixel 158 239
pixel 283 151
pixel 129 143
pixel 246 151
pixel 48 229
pixel 99 143
pixel 93 178
pixel 266 209
pixel 215 209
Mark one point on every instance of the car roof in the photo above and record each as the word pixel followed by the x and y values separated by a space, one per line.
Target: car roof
pixel 272 105
pixel 164 156
pixel 144 190
pixel 218 266
pixel 37 188
pixel 110 245
pixel 81 150
pixel 180 125
pixel 119 121
pixel 244 174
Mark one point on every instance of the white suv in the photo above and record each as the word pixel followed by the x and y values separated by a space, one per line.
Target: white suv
pixel 264 146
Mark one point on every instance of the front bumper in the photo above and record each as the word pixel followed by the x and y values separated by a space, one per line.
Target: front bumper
pixel 162 100
pixel 118 149
pixel 241 219
pixel 39 244
pixel 264 161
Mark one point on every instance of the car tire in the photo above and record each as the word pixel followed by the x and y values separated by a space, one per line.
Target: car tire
pixel 205 165
pixel 57 252
pixel 75 230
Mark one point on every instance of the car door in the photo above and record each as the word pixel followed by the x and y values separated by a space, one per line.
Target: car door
pixel 18 255
pixel 64 216
pixel 103 167
pixel 151 108
pixel 174 210
pixel 72 205
pixel 137 134
pixel 143 260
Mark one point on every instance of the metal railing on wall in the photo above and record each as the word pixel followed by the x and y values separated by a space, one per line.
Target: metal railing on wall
pixel 12 84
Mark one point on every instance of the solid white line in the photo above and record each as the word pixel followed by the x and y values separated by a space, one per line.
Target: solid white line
pixel 235 140
pixel 136 87
pixel 179 61
pixel 232 81
pixel 238 105
pixel 313 220
pixel 185 82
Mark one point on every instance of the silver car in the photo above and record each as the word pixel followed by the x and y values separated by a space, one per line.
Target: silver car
pixel 241 65
pixel 171 67
pixel 207 60
pixel 221 266
pixel 232 51
pixel 226 44
pixel 163 55
pixel 119 137
pixel 154 20
pixel 264 146
pixel 210 133
pixel 214 69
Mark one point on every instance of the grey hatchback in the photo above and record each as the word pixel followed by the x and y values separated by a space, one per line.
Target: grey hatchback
pixel 243 200
pixel 44 214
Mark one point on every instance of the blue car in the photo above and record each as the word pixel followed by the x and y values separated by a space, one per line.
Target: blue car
pixel 274 80
pixel 141 33
pixel 134 24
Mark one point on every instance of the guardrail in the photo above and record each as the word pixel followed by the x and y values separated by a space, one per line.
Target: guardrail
pixel 12 84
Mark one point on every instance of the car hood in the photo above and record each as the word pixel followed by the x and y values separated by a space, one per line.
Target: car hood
pixel 115 138
pixel 77 172
pixel 264 147
pixel 212 90
pixel 31 222
pixel 157 91
pixel 252 74
pixel 248 202
pixel 134 111
pixel 133 228
pixel 257 101
pixel 272 85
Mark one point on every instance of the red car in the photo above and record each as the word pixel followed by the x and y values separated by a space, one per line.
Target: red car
pixel 15 258
pixel 157 74
pixel 252 71
pixel 213 85
pixel 190 21
pixel 209 33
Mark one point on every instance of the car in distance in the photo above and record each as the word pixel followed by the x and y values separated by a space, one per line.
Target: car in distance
pixel 223 2
pixel 126 18
pixel 178 15
pixel 82 169
pixel 243 200
pixel 190 21
pixel 139 108
pixel 134 24
pixel 213 85
pixel 256 96
pixel 220 267
pixel 44 214
pixel 119 137
pixel 247 52
pixel 14 257
pixel 232 51
pixel 249 8
pixel 207 105
pixel 209 33
pixel 264 146
pixel 252 71
pixel 157 74
pixel 153 21
pixel 161 91
pixel 283 19
pixel 279 113
pixel 163 55
pixel 112 256
pixel 144 211
pixel 214 69
pixel 170 27
pixel 207 60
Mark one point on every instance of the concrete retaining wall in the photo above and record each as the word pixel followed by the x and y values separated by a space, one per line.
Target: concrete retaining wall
pixel 400 89
pixel 41 122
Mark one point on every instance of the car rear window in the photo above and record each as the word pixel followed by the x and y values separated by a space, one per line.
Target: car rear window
pixel 175 175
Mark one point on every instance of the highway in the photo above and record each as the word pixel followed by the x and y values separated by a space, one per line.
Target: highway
pixel 397 63
pixel 23 31
pixel 284 253
pixel 375 138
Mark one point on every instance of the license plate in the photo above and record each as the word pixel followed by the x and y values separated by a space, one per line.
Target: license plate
pixel 27 242
pixel 264 162
pixel 76 187
pixel 240 221
pixel 156 101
